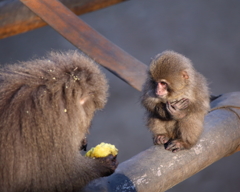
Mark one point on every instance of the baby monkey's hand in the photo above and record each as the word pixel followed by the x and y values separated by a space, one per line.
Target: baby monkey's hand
pixel 176 108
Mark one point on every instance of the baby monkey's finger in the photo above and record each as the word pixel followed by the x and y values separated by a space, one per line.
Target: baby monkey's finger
pixel 182 104
pixel 170 108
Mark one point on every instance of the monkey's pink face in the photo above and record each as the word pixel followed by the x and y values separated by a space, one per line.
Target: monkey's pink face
pixel 161 89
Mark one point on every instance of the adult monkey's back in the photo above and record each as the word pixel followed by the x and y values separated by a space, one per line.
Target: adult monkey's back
pixel 46 107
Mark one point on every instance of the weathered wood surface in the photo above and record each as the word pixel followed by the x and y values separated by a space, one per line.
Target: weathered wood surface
pixel 157 169
pixel 16 18
pixel 90 41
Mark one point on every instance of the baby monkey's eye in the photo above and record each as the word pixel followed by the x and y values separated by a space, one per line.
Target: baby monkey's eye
pixel 163 83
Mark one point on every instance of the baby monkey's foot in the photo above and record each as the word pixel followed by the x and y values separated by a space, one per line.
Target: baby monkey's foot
pixel 175 146
pixel 160 139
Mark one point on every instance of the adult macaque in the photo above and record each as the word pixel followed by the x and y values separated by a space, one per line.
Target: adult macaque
pixel 46 107
pixel 176 97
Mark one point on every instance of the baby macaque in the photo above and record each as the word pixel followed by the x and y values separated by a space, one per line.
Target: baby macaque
pixel 176 98
pixel 46 108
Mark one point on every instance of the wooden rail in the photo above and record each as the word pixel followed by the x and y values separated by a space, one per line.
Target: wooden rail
pixel 16 18
pixel 157 169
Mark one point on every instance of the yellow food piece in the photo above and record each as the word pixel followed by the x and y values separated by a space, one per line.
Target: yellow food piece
pixel 102 150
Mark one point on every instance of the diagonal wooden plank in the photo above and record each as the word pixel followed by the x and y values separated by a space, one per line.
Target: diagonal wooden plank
pixel 90 41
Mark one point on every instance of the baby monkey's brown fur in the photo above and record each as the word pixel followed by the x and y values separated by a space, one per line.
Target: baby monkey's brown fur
pixel 46 108
pixel 176 97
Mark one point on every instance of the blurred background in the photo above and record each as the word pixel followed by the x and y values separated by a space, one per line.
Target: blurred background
pixel 207 32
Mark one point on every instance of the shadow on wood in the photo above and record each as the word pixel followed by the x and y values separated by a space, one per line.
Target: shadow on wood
pixel 157 169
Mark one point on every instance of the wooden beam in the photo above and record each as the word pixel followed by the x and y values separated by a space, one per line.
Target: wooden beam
pixel 16 18
pixel 90 41
pixel 157 169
